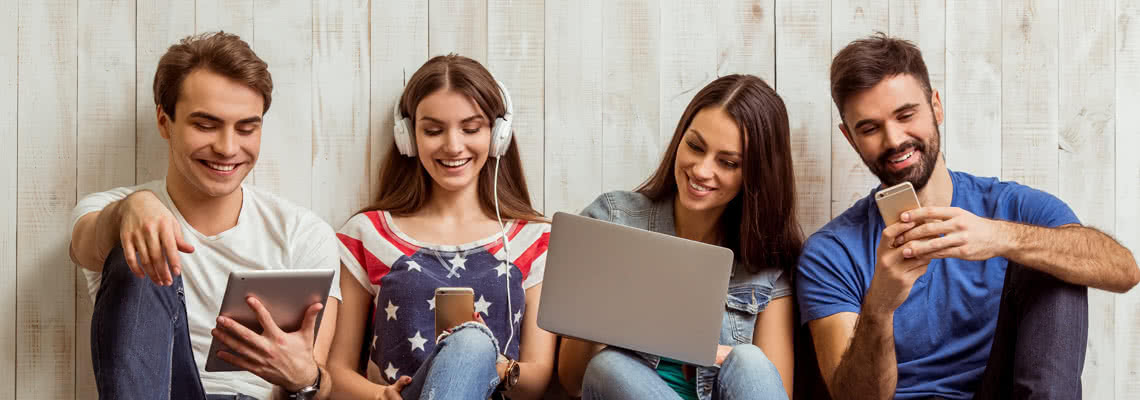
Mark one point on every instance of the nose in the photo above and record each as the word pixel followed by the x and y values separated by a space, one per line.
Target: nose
pixel 225 144
pixel 453 141
pixel 704 168
pixel 894 135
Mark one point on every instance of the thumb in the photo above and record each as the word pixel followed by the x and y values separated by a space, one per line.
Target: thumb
pixel 309 325
pixel 401 383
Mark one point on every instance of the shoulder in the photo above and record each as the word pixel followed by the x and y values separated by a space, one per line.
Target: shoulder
pixel 295 218
pixel 611 206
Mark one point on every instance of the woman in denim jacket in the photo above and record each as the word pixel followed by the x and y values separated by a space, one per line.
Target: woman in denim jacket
pixel 726 179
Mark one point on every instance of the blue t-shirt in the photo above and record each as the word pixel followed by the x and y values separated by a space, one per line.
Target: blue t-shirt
pixel 944 329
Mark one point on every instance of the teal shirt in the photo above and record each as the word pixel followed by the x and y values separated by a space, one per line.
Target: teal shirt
pixel 673 373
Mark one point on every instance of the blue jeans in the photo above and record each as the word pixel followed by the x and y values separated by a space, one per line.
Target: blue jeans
pixel 140 343
pixel 461 367
pixel 620 374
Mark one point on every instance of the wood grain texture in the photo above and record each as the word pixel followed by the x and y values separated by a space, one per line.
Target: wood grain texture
pixel 230 16
pixel 458 26
pixel 972 98
pixel 850 178
pixel 282 35
pixel 1029 93
pixel 688 58
pixel 106 142
pixel 1127 186
pixel 515 55
pixel 46 125
pixel 9 156
pixel 803 45
pixel 924 23
pixel 340 109
pixel 631 130
pixel 746 38
pixel 573 97
pixel 159 25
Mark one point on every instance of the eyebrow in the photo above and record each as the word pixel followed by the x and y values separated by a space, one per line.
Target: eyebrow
pixel 464 121
pixel 702 140
pixel 213 118
pixel 904 107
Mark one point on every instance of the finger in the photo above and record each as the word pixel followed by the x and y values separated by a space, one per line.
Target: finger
pixel 183 246
pixel 921 248
pixel 145 263
pixel 933 229
pixel 479 318
pixel 925 213
pixel 157 261
pixel 239 362
pixel 309 324
pixel 401 383
pixel 895 229
pixel 238 345
pixel 170 246
pixel 250 340
pixel 132 259
pixel 263 316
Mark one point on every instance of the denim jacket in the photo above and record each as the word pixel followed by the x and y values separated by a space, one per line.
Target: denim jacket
pixel 748 293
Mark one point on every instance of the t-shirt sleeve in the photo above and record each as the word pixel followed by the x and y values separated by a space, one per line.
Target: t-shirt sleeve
pixel 317 249
pixel 827 282
pixel 97 202
pixel 352 250
pixel 1036 207
pixel 532 260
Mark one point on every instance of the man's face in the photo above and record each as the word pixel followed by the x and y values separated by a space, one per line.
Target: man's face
pixel 894 128
pixel 216 135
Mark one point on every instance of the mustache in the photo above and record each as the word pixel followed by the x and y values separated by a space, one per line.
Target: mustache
pixel 901 149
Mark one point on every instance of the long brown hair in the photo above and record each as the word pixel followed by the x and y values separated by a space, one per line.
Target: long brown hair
pixel 405 186
pixel 760 223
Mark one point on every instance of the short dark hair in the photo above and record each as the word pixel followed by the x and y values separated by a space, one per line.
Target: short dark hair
pixel 866 62
pixel 222 53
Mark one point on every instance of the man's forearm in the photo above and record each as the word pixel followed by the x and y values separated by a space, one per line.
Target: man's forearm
pixel 868 369
pixel 93 238
pixel 1074 254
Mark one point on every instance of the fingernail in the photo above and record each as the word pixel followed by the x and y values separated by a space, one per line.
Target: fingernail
pixel 221 320
pixel 907 253
pixel 906 217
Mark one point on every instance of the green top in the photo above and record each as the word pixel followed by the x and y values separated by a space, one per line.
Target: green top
pixel 673 373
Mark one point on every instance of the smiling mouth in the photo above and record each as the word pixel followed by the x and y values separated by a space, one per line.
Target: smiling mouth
pixel 454 163
pixel 219 166
pixel 903 157
pixel 698 187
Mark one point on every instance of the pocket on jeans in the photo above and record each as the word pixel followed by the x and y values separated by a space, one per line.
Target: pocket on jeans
pixel 742 305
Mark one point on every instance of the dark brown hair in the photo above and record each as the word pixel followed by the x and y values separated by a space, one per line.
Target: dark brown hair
pixel 866 62
pixel 760 223
pixel 222 53
pixel 405 186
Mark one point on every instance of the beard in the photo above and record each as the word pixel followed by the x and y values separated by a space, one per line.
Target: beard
pixel 917 174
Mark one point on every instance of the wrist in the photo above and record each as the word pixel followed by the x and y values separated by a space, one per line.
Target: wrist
pixel 311 378
pixel 1006 238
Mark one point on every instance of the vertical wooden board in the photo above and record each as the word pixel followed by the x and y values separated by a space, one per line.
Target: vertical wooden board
pixel 399 47
pixel 106 143
pixel 631 130
pixel 573 98
pixel 283 37
pixel 688 41
pixel 515 55
pixel 972 96
pixel 803 43
pixel 1127 54
pixel 46 125
pixel 924 23
pixel 458 26
pixel 8 179
pixel 746 38
pixel 851 180
pixel 231 16
pixel 1029 93
pixel 159 24
pixel 340 109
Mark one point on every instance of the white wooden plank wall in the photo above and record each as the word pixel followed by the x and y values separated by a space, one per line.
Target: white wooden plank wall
pixel 598 89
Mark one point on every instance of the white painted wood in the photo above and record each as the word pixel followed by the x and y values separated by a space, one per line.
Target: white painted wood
pixel 458 26
pixel 573 115
pixel 159 25
pixel 283 37
pixel 688 40
pixel 106 142
pixel 851 180
pixel 515 45
pixel 9 154
pixel 1127 172
pixel 746 31
pixel 399 47
pixel 924 23
pixel 972 96
pixel 1029 93
pixel 631 130
pixel 340 109
pixel 231 16
pixel 46 125
pixel 803 45
pixel 1086 158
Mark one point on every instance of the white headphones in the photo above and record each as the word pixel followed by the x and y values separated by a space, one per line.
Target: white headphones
pixel 500 130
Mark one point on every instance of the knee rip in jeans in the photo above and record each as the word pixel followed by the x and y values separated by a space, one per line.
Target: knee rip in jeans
pixel 468 326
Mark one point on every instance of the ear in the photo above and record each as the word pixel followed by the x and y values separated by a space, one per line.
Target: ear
pixel 936 105
pixel 164 122
pixel 847 135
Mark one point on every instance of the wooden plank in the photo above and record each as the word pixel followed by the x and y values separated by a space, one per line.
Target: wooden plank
pixel 46 126
pixel 746 42
pixel 924 23
pixel 9 23
pixel 159 24
pixel 1029 93
pixel 399 47
pixel 803 42
pixel 573 97
pixel 688 34
pixel 1127 172
pixel 631 130
pixel 106 144
pixel 515 45
pixel 340 112
pixel 1086 159
pixel 230 16
pixel 972 96
pixel 851 180
pixel 283 37
pixel 458 26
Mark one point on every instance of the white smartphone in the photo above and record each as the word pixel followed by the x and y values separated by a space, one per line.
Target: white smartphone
pixel 895 200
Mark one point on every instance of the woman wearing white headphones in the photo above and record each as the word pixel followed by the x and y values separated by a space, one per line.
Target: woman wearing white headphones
pixel 445 219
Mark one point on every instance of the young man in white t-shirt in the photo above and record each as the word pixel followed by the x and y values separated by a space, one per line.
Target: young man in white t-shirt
pixel 157 256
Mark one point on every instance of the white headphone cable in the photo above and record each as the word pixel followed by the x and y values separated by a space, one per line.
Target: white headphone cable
pixel 507 260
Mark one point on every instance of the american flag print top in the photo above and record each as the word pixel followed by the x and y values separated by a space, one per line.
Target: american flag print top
pixel 402 274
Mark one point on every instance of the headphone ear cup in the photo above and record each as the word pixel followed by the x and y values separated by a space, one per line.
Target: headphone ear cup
pixel 405 139
pixel 500 137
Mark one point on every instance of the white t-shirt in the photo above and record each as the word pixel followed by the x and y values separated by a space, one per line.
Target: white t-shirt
pixel 271 233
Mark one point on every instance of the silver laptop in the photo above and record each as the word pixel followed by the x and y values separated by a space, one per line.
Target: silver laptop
pixel 634 289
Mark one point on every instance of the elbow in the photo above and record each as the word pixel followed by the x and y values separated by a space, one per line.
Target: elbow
pixel 1133 277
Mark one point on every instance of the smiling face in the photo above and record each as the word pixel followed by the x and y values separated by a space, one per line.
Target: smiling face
pixel 453 137
pixel 894 128
pixel 215 136
pixel 708 168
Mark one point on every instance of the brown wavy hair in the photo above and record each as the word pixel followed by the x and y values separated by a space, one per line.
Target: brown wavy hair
pixel 759 224
pixel 405 186
pixel 219 52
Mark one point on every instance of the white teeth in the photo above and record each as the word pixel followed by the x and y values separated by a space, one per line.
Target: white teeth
pixel 455 163
pixel 699 188
pixel 904 157
pixel 221 167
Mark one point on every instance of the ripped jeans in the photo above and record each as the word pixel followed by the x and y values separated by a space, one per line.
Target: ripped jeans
pixel 461 367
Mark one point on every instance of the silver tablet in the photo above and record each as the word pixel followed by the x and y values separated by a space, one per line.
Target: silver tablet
pixel 285 293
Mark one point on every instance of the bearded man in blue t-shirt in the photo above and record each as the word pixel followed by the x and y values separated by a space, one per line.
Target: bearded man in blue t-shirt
pixel 981 293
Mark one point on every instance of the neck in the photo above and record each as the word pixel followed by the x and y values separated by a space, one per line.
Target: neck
pixel 208 215
pixel 697 225
pixel 939 190
pixel 454 206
